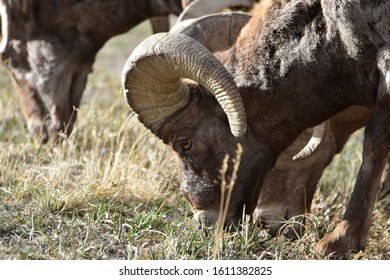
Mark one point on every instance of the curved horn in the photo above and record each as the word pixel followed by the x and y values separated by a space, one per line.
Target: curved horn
pixel 200 8
pixel 319 132
pixel 185 3
pixel 216 32
pixel 4 14
pixel 152 80
pixel 160 24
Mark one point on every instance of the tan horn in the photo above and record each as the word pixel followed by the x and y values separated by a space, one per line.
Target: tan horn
pixel 4 14
pixel 153 86
pixel 216 32
pixel 316 139
pixel 185 3
pixel 200 8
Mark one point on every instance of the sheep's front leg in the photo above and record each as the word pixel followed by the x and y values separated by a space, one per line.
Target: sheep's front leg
pixel 63 100
pixel 351 233
pixel 33 110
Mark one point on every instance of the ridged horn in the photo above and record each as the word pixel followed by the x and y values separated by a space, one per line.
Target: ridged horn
pixel 185 3
pixel 319 132
pixel 200 8
pixel 216 32
pixel 153 86
pixel 4 14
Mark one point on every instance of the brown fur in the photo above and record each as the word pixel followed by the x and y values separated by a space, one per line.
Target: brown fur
pixel 296 65
pixel 289 187
pixel 52 47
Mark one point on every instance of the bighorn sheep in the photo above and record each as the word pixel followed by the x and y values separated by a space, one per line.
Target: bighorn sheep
pixel 287 192
pixel 293 66
pixel 288 189
pixel 49 46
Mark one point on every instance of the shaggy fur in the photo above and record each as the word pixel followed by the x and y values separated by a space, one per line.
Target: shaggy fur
pixel 313 59
pixel 296 64
pixel 52 47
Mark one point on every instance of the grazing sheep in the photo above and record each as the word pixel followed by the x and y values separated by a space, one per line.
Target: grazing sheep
pixel 289 187
pixel 49 46
pixel 293 66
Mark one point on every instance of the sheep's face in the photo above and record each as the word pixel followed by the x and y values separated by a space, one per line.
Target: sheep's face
pixel 201 137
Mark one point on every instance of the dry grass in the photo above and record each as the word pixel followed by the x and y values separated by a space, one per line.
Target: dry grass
pixel 111 191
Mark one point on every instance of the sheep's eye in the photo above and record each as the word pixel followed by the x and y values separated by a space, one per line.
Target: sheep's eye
pixel 185 144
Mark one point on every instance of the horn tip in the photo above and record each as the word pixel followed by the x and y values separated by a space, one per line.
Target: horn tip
pixel 239 131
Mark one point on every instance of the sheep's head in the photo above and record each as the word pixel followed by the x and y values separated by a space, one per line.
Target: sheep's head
pixel 203 119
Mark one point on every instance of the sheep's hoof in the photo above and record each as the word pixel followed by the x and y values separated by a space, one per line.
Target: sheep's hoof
pixel 343 239
pixel 38 130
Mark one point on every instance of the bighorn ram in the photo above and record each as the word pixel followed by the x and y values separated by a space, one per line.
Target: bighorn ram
pixel 293 66
pixel 288 190
pixel 289 187
pixel 49 46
